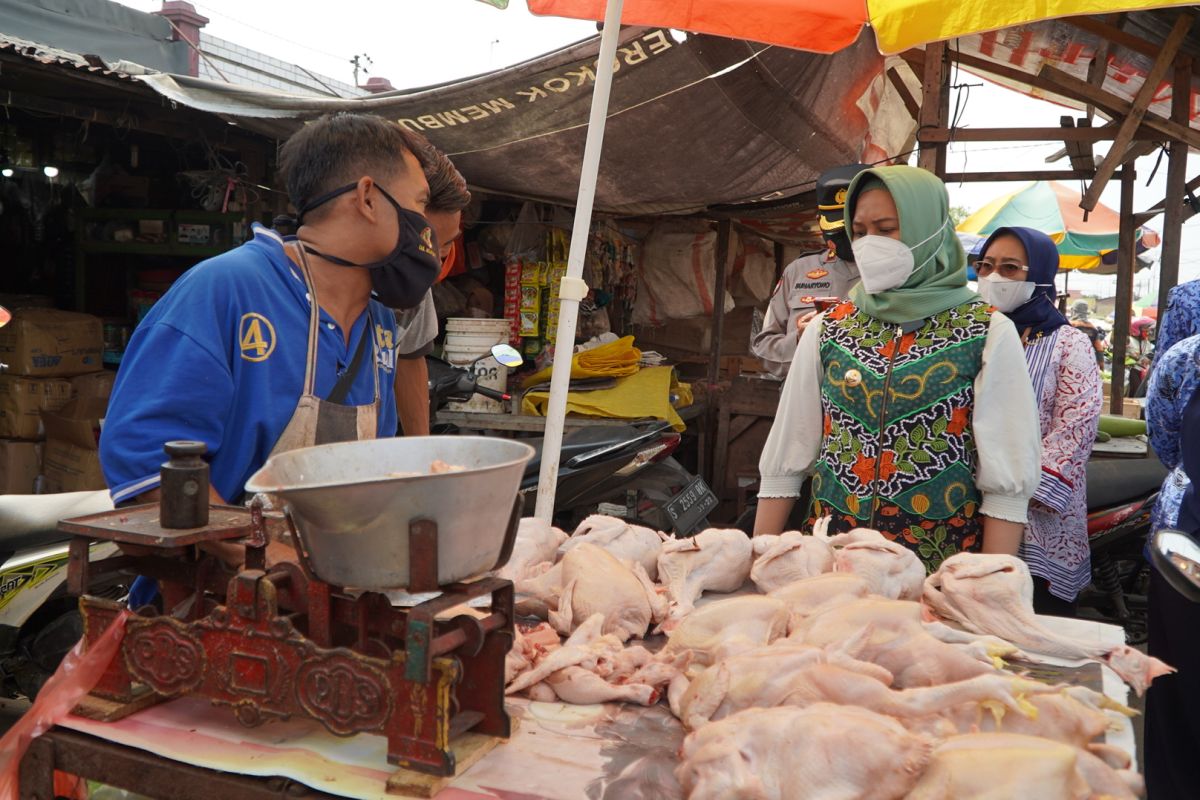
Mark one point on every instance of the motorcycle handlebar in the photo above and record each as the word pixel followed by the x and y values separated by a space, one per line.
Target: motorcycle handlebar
pixel 492 393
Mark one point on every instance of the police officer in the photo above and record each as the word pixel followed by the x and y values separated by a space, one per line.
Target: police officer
pixel 830 273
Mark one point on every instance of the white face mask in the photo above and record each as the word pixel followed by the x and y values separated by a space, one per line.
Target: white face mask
pixel 1005 293
pixel 885 263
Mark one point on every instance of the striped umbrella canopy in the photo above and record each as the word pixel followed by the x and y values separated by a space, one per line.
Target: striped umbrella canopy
pixel 826 26
pixel 1053 208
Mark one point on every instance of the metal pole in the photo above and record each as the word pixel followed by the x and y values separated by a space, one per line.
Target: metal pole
pixel 1168 274
pixel 1124 301
pixel 573 289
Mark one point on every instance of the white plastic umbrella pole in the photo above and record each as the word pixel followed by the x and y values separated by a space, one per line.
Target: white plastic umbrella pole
pixel 573 288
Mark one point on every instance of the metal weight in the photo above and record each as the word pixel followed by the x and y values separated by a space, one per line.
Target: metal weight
pixel 184 501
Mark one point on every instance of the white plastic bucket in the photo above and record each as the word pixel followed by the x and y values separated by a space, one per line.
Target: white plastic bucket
pixel 466 340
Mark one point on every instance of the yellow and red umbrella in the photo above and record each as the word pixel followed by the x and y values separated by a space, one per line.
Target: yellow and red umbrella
pixel 826 26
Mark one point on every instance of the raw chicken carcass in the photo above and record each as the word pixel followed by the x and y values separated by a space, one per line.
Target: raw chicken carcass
pixel 897 641
pixel 711 561
pixel 586 647
pixel 890 569
pixel 536 541
pixel 1073 715
pixel 626 542
pixel 726 627
pixel 583 687
pixel 787 674
pixel 812 595
pixel 993 594
pixel 998 766
pixel 823 751
pixel 787 558
pixel 595 582
pixel 538 590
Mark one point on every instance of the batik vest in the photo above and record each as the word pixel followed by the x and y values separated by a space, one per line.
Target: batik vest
pixel 898 451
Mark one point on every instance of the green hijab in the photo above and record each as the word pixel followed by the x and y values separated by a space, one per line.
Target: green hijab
pixel 924 207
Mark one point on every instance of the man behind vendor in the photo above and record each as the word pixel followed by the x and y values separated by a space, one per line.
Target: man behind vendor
pixel 831 273
pixel 239 356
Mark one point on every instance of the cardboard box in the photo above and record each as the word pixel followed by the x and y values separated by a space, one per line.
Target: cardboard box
pixel 96 385
pixel 71 455
pixel 22 401
pixel 20 464
pixel 47 343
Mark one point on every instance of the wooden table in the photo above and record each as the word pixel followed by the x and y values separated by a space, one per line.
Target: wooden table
pixel 186 748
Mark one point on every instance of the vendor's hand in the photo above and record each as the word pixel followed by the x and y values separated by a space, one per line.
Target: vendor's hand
pixel 802 322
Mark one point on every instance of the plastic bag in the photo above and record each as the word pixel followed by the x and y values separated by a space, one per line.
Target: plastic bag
pixel 78 673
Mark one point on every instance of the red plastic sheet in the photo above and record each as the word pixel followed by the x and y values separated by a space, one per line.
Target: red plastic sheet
pixel 75 677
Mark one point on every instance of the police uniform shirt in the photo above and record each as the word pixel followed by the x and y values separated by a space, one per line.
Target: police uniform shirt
pixel 806 278
pixel 221 358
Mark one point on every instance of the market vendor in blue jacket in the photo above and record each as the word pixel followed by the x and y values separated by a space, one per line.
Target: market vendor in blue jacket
pixel 280 344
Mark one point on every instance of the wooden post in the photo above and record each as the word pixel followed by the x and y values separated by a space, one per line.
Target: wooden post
pixel 1124 301
pixel 718 312
pixel 1176 180
pixel 935 106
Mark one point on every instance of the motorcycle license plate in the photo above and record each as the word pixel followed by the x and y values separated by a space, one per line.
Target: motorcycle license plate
pixel 691 506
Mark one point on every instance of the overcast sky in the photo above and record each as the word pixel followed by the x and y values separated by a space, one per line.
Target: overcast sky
pixel 421 42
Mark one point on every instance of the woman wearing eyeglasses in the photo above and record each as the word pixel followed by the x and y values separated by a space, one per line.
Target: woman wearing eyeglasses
pixel 905 405
pixel 1016 275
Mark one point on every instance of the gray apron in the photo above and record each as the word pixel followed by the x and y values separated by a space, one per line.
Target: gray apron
pixel 317 421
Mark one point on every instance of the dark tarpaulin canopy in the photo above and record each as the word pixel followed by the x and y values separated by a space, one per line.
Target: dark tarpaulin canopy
pixel 694 124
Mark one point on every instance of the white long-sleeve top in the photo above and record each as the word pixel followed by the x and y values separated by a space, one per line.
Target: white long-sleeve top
pixel 1005 422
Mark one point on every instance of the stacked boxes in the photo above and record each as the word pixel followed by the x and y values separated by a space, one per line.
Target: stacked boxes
pixel 47 353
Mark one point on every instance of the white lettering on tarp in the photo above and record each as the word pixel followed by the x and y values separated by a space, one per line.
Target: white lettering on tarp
pixel 453 117
pixel 657 41
pixel 534 93
pixel 632 54
pixel 583 75
pixel 498 105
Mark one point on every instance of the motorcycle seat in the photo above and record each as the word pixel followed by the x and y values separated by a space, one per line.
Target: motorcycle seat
pixel 580 441
pixel 29 520
pixel 1113 481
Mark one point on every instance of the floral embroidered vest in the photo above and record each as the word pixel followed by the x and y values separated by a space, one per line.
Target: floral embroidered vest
pixel 898 451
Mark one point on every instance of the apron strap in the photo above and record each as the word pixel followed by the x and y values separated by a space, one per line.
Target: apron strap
pixel 342 388
pixel 314 322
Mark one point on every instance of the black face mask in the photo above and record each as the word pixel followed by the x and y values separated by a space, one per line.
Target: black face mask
pixel 401 279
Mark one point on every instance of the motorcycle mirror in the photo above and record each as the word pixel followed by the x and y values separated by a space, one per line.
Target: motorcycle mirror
pixel 507 356
pixel 1177 557
pixel 5 316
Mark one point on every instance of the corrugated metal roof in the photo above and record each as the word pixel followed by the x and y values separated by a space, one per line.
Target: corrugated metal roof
pixel 52 56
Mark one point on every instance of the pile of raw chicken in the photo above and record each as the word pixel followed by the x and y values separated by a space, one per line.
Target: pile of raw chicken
pixel 844 672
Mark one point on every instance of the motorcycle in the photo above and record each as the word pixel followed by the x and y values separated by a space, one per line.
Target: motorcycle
pixel 1177 557
pixel 39 620
pixel 623 469
pixel 1121 495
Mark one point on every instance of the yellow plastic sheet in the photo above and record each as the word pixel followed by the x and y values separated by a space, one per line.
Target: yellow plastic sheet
pixel 646 393
pixel 613 360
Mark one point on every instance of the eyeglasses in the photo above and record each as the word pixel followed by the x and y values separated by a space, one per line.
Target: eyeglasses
pixel 1010 271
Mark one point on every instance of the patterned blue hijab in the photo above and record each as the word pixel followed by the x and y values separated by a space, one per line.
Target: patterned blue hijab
pixel 1040 315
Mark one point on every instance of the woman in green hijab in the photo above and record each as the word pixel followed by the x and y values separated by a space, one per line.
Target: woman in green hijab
pixel 909 405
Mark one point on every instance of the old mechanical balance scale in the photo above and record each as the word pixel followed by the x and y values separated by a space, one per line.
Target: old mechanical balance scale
pixel 318 638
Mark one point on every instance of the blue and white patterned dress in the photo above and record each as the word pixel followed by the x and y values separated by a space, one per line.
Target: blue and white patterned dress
pixel 1182 317
pixel 1174 379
